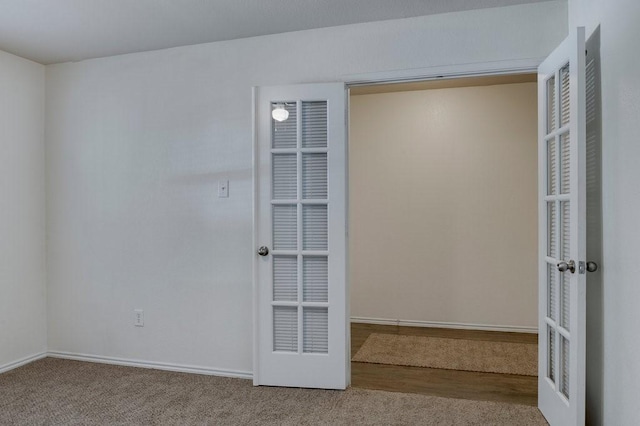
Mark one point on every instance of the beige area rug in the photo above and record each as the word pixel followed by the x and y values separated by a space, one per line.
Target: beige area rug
pixel 450 354
pixel 60 392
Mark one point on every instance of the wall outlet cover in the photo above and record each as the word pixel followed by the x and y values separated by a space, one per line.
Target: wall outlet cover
pixel 138 318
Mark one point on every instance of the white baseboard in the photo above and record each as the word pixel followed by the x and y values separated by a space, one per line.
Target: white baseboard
pixel 22 361
pixel 153 365
pixel 437 324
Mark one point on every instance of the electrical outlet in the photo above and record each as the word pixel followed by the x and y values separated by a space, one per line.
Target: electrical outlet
pixel 138 319
pixel 223 189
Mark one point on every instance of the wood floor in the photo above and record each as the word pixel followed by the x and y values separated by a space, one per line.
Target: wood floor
pixel 447 383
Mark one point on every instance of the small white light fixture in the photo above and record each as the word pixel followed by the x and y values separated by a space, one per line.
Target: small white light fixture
pixel 279 113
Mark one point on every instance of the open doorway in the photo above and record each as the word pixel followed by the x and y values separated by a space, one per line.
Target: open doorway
pixel 443 249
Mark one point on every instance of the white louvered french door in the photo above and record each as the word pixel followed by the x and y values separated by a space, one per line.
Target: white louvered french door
pixel 300 164
pixel 562 233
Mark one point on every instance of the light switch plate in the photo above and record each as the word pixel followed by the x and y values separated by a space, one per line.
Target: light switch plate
pixel 223 189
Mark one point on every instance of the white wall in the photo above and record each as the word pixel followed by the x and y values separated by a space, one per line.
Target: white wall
pixel 22 210
pixel 443 206
pixel 616 363
pixel 137 143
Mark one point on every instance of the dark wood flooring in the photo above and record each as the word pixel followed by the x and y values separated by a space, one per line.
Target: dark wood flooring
pixel 446 383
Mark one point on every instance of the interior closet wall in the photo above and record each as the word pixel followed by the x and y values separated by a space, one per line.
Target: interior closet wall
pixel 443 206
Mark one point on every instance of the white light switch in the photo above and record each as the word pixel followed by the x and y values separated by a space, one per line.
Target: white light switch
pixel 223 189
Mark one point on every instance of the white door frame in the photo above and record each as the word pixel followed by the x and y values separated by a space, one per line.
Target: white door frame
pixel 521 66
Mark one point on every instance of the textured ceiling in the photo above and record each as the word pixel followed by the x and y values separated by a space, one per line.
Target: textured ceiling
pixel 52 31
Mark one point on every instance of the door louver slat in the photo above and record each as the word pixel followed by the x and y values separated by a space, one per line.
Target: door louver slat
pixel 316 325
pixel 314 176
pixel 566 255
pixel 552 166
pixel 314 124
pixel 284 134
pixel 565 113
pixel 285 170
pixel 553 273
pixel 551 362
pixel 285 278
pixel 564 356
pixel 285 328
pixel 285 227
pixel 551 108
pixel 552 218
pixel 314 231
pixel 565 164
pixel 316 279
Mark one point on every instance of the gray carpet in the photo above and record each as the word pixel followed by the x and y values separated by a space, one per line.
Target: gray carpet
pixel 61 392
pixel 450 354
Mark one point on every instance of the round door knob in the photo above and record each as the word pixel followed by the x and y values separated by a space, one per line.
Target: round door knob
pixel 592 266
pixel 567 266
pixel 263 251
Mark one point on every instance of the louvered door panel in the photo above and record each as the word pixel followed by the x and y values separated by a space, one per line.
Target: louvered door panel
pixel 562 212
pixel 565 290
pixel 315 330
pixel 285 227
pixel 558 184
pixel 551 358
pixel 551 104
pixel 565 359
pixel 285 278
pixel 552 168
pixel 552 220
pixel 307 291
pixel 314 176
pixel 285 184
pixel 285 329
pixel 552 277
pixel 316 279
pixel 284 134
pixel 565 107
pixel 314 124
pixel 565 163
pixel 315 227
